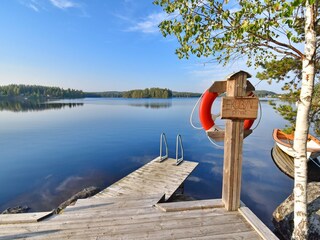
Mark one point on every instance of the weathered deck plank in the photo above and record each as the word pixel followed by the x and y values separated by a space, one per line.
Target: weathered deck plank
pixel 195 224
pixel 23 217
pixel 152 178
pixel 75 221
pixel 256 223
pixel 190 205
pixel 135 218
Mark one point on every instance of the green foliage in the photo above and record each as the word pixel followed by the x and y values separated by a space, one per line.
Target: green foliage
pixel 148 93
pixel 33 91
pixel 289 69
pixel 286 69
pixel 288 111
pixel 280 70
pixel 228 30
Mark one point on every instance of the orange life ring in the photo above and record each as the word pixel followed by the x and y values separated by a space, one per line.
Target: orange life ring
pixel 205 111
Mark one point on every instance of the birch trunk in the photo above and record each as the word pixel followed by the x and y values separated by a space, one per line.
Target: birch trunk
pixel 302 127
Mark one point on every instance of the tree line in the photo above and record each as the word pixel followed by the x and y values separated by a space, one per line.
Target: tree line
pixel 34 91
pixel 148 93
pixel 42 92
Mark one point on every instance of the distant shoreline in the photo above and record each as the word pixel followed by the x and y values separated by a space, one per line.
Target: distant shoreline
pixel 21 92
pixel 34 92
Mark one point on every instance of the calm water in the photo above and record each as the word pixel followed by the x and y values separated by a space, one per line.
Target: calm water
pixel 51 153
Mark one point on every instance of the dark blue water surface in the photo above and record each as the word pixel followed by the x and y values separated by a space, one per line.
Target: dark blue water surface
pixel 50 154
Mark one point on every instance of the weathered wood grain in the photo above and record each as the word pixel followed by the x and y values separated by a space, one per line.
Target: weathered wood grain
pixel 190 205
pixel 239 107
pixel 256 223
pixel 23 217
pixel 152 178
pixel 232 167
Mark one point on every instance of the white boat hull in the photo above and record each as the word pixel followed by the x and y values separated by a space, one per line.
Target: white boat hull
pixel 290 151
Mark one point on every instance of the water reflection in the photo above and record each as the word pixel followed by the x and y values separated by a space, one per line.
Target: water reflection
pixel 285 163
pixel 50 191
pixel 152 105
pixel 31 106
pixel 145 103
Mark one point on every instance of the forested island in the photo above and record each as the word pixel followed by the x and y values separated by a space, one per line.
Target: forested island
pixel 148 93
pixel 19 92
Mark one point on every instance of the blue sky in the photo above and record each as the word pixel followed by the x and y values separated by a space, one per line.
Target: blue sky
pixel 98 45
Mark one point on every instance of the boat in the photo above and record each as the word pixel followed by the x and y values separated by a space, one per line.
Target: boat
pixel 286 164
pixel 285 142
pixel 283 161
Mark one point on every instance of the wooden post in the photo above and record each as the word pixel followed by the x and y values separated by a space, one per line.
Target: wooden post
pixel 233 141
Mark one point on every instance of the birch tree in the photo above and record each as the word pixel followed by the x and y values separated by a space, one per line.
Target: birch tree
pixel 261 30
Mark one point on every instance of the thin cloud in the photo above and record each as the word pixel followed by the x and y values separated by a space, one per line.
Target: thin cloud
pixel 64 4
pixel 70 4
pixel 194 179
pixel 34 5
pixel 149 24
pixel 123 17
pixel 70 181
pixel 39 5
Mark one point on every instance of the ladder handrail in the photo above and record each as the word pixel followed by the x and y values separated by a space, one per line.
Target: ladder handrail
pixel 179 140
pixel 163 139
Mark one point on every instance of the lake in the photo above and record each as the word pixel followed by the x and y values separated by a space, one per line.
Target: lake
pixel 52 151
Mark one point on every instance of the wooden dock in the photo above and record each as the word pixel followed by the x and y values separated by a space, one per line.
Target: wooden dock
pixel 135 208
pixel 153 178
pixel 136 218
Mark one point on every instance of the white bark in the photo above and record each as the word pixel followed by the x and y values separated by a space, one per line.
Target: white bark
pixel 302 127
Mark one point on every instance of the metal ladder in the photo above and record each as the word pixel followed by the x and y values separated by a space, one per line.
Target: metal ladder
pixel 179 140
pixel 163 139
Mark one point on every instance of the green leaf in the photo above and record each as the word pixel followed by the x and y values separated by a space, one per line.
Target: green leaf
pixel 197 18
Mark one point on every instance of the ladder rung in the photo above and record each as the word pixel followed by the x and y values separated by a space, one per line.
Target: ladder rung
pixel 163 139
pixel 179 142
